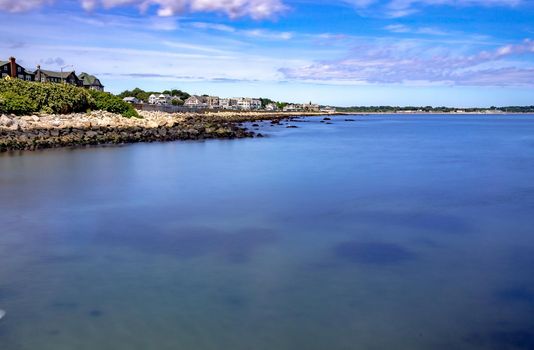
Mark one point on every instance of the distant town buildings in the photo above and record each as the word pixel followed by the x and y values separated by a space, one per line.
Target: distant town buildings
pixel 13 70
pixel 214 102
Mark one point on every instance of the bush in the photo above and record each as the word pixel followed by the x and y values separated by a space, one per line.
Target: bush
pixel 107 102
pixel 23 97
pixel 48 97
pixel 13 103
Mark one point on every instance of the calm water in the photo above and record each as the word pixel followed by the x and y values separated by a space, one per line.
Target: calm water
pixel 385 233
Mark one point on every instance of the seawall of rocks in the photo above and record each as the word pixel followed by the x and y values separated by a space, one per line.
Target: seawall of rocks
pixel 50 131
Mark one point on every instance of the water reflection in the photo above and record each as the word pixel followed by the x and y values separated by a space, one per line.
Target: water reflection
pixel 374 253
pixel 406 233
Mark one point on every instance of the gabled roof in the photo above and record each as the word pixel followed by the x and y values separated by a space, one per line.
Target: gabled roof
pixel 89 79
pixel 61 75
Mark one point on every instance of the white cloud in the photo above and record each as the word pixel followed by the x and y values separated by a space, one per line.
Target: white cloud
pixel 22 5
pixel 401 28
pixel 403 8
pixel 404 62
pixel 256 9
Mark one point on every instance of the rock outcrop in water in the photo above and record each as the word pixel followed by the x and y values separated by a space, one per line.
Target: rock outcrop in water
pixel 47 131
pixel 50 131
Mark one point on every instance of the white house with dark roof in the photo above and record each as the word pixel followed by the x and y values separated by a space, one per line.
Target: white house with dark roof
pixel 160 99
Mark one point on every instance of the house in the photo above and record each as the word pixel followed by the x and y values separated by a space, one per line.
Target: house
pixel 132 100
pixel 228 103
pixel 91 82
pixel 244 103
pixel 48 76
pixel 292 108
pixel 255 103
pixel 328 110
pixel 14 70
pixel 196 102
pixel 160 99
pixel 175 100
pixel 213 102
pixel 248 104
pixel 272 107
pixel 310 107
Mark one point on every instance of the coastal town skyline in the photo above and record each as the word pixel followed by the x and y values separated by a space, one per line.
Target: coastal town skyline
pixel 454 53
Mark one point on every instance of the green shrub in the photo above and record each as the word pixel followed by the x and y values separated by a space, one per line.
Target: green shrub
pixel 23 97
pixel 13 103
pixel 48 97
pixel 107 102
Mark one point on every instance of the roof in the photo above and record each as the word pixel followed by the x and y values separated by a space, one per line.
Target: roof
pixel 89 79
pixel 61 75
pixel 3 62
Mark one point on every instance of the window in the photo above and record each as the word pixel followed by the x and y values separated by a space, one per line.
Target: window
pixel 4 68
pixel 19 69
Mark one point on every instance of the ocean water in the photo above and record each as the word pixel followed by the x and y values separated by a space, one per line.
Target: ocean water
pixel 387 232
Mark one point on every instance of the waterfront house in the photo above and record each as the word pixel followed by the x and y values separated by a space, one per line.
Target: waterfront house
pixel 292 108
pixel 310 107
pixel 196 102
pixel 91 82
pixel 48 76
pixel 213 102
pixel 247 104
pixel 244 103
pixel 328 110
pixel 272 107
pixel 228 103
pixel 159 99
pixel 255 104
pixel 132 100
pixel 14 70
pixel 175 100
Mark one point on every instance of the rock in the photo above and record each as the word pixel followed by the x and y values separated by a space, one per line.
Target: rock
pixel 5 121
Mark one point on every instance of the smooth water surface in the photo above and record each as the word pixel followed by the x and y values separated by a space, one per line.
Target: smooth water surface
pixel 388 232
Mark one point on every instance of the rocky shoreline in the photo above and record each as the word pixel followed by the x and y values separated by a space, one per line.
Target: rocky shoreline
pixel 96 128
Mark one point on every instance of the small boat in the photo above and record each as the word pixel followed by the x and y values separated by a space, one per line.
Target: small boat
pixel 2 314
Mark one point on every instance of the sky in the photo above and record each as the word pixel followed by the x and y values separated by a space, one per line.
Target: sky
pixel 460 53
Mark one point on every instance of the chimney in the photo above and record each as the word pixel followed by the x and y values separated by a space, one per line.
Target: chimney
pixel 13 66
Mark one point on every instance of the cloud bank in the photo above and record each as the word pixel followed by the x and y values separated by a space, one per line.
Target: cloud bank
pixel 402 8
pixel 404 64
pixel 256 9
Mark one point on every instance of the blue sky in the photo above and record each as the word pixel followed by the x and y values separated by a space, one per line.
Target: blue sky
pixel 340 52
